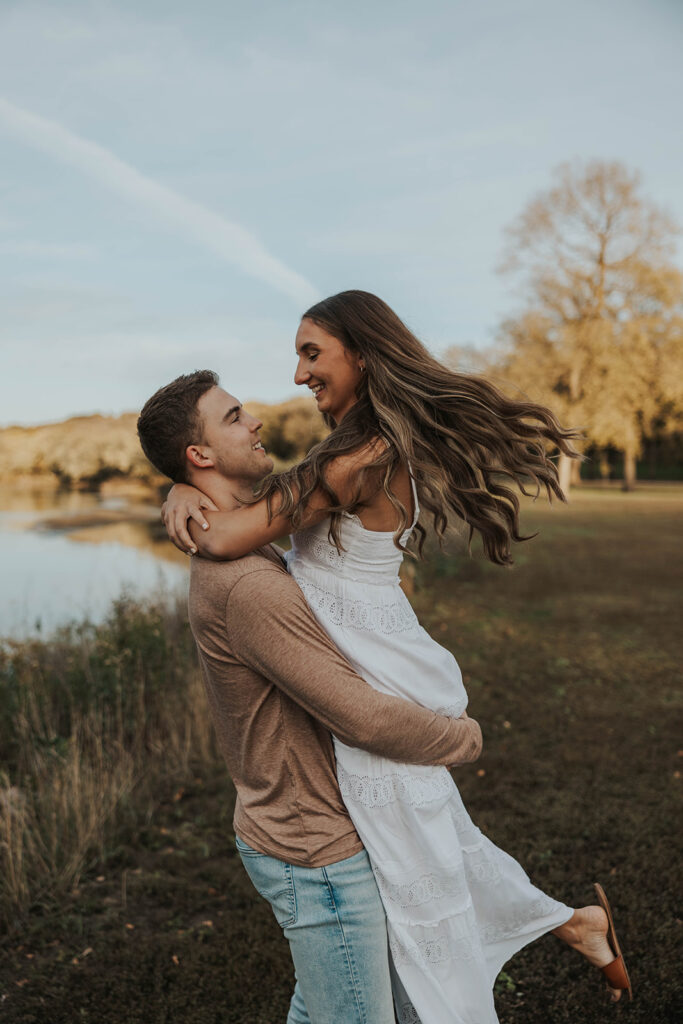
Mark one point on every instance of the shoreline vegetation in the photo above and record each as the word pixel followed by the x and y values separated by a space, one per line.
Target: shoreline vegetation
pixel 121 895
pixel 91 719
pixel 103 453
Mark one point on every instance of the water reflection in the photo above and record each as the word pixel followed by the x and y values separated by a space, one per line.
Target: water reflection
pixel 66 556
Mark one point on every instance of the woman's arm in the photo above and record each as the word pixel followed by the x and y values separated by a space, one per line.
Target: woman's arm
pixel 196 526
pixel 239 532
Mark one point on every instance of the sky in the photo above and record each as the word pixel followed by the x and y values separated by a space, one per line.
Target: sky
pixel 179 182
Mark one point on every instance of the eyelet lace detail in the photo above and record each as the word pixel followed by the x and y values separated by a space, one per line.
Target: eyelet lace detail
pixel 386 618
pixel 512 924
pixel 321 550
pixel 421 890
pixel 452 710
pixel 439 948
pixel 479 866
pixel 381 790
pixel 407 1014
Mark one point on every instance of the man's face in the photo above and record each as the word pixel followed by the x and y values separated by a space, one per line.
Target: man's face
pixel 231 437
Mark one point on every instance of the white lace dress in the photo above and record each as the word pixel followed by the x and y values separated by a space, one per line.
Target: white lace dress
pixel 457 906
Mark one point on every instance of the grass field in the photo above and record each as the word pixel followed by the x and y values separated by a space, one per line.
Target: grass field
pixel 572 662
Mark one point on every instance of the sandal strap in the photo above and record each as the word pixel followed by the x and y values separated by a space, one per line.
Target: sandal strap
pixel 615 972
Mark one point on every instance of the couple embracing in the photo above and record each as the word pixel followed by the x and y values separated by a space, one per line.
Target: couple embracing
pixel 338 715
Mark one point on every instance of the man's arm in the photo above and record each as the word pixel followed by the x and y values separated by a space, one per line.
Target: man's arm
pixel 274 632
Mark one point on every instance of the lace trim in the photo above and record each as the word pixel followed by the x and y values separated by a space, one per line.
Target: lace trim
pixel 407 1014
pixel 421 890
pixel 383 577
pixel 438 949
pixel 511 925
pixel 481 868
pixel 452 710
pixel 396 617
pixel 396 787
pixel 320 549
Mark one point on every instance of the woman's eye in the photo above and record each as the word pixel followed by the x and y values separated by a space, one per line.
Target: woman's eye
pixel 313 356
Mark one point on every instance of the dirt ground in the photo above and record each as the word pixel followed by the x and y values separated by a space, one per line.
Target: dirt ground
pixel 572 662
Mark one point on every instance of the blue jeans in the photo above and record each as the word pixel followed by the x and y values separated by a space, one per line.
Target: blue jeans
pixel 334 922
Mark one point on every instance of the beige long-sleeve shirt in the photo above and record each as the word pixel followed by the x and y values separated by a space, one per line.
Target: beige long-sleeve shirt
pixel 277 687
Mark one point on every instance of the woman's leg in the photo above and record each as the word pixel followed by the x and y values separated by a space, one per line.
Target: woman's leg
pixel 586 932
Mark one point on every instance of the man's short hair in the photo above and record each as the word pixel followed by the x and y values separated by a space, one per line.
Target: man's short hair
pixel 169 422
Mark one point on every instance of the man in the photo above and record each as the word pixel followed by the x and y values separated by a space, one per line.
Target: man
pixel 277 687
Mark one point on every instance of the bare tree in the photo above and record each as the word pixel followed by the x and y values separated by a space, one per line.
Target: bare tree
pixel 601 322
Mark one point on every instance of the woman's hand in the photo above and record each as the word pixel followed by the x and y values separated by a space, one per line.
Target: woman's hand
pixel 184 503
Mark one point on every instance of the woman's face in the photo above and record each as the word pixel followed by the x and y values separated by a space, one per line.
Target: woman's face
pixel 328 369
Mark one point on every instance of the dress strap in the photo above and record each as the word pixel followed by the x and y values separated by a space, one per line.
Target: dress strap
pixel 416 503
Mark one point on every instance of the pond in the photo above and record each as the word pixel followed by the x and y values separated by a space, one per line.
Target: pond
pixel 66 556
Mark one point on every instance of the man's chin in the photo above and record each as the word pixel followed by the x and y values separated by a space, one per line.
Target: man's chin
pixel 266 468
pixel 251 470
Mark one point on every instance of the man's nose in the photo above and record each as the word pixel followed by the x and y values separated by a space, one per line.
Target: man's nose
pixel 255 424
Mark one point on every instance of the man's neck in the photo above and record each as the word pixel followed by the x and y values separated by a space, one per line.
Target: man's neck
pixel 227 493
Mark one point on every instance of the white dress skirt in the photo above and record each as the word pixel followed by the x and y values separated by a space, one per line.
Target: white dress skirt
pixel 457 906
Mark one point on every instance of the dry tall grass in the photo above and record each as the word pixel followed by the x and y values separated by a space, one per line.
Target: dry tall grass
pixel 90 721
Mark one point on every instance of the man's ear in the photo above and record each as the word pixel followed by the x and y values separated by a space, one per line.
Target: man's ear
pixel 199 456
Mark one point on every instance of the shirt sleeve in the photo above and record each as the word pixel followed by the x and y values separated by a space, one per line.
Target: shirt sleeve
pixel 273 631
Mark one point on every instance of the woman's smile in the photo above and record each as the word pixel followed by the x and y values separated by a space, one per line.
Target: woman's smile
pixel 328 369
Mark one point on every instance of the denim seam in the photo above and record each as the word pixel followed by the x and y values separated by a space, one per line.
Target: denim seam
pixel 349 955
pixel 288 892
pixel 292 902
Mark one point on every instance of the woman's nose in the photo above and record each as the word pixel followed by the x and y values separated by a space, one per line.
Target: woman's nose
pixel 301 375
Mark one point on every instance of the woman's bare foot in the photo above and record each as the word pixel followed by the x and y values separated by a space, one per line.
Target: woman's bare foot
pixel 586 932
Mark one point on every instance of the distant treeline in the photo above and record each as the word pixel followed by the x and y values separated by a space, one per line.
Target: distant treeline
pixel 86 451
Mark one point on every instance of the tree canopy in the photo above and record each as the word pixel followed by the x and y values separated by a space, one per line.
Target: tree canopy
pixel 599 334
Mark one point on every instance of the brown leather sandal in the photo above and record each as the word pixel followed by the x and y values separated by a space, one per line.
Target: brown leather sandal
pixel 615 972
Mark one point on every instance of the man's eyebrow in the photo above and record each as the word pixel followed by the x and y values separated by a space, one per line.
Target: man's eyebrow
pixel 231 412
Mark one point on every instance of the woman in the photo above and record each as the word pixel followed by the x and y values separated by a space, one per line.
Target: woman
pixel 410 435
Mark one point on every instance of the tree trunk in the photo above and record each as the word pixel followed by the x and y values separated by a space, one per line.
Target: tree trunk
pixel 629 483
pixel 574 472
pixel 564 470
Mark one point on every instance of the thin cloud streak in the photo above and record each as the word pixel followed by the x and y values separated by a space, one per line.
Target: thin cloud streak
pixel 48 250
pixel 228 240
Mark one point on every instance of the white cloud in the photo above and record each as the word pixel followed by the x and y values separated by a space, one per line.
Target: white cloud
pixel 228 240
pixel 48 250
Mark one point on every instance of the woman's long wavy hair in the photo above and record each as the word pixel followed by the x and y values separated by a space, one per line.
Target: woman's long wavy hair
pixel 464 440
